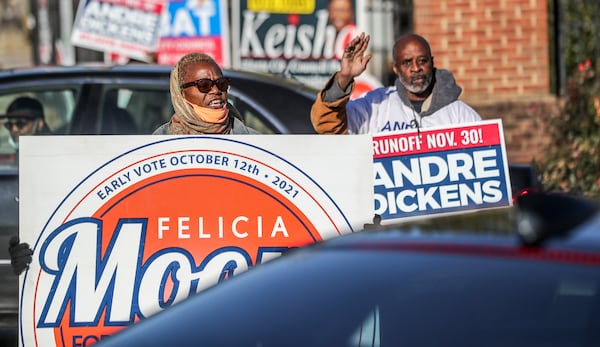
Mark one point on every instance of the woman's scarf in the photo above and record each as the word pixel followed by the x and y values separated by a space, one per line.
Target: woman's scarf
pixel 185 121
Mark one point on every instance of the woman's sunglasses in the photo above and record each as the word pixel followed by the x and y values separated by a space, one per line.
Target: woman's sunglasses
pixel 19 123
pixel 204 85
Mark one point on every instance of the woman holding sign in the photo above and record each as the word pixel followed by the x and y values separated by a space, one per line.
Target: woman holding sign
pixel 199 96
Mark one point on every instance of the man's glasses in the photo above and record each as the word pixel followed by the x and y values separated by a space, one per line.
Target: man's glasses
pixel 204 85
pixel 19 123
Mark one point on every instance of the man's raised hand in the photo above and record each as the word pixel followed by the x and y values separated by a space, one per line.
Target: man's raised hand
pixel 354 61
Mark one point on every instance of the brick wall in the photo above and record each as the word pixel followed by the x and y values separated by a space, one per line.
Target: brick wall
pixel 524 126
pixel 499 53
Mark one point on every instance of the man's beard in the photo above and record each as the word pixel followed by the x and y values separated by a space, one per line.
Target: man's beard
pixel 417 89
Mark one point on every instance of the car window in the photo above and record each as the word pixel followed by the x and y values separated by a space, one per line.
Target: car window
pixel 252 116
pixel 133 110
pixel 149 108
pixel 58 107
pixel 255 122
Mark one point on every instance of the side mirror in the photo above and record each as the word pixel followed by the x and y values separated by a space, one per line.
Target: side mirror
pixel 543 215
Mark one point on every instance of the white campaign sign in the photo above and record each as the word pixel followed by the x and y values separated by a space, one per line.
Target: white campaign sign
pixel 125 226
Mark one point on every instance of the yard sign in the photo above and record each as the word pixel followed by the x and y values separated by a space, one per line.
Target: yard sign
pixel 126 27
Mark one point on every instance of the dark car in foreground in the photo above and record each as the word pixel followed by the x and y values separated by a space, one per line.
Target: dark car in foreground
pixel 524 276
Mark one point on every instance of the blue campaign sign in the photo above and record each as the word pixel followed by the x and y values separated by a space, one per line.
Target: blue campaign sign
pixel 441 171
pixel 447 181
pixel 191 18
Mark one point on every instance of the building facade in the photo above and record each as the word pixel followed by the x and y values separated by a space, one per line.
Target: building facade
pixel 499 51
